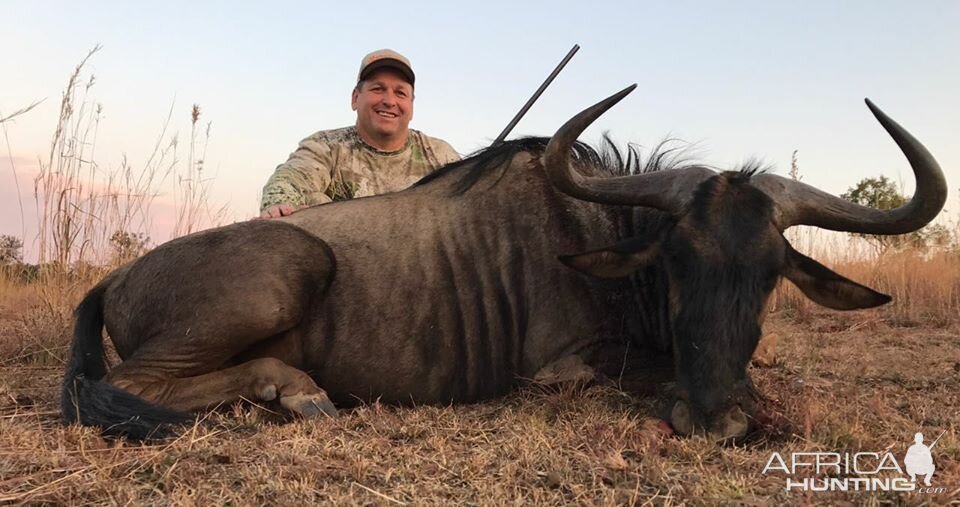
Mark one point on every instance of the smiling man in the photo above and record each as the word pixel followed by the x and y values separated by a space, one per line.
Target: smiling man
pixel 379 154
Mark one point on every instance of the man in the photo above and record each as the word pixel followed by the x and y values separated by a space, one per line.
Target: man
pixel 919 460
pixel 379 154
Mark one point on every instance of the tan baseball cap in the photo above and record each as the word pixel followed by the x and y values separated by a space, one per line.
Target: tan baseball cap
pixel 385 58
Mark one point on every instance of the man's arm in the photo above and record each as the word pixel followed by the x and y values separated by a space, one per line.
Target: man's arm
pixel 440 153
pixel 446 154
pixel 301 180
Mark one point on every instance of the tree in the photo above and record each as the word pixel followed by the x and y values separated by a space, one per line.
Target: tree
pixel 11 250
pixel 128 246
pixel 881 193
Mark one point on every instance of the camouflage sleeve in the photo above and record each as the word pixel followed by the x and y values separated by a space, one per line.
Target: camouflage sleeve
pixel 442 152
pixel 445 153
pixel 303 178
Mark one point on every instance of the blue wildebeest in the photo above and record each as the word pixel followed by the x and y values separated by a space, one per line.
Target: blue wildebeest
pixel 527 255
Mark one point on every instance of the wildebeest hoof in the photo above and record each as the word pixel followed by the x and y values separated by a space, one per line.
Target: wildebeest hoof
pixel 309 405
pixel 566 370
pixel 765 354
pixel 267 392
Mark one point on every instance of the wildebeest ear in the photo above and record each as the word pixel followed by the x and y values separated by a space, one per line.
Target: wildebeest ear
pixel 827 288
pixel 622 259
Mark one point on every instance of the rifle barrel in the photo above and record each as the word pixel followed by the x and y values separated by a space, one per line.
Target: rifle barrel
pixel 536 95
pixel 937 440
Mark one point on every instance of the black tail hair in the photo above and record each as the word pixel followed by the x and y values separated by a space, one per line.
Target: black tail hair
pixel 86 398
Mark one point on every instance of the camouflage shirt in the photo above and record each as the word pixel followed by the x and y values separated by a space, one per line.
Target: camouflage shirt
pixel 333 165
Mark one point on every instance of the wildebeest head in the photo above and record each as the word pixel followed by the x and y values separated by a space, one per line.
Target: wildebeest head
pixel 725 252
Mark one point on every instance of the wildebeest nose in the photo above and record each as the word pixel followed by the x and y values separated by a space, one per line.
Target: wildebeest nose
pixel 734 422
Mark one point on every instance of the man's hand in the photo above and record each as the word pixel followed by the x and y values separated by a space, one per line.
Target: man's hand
pixel 280 210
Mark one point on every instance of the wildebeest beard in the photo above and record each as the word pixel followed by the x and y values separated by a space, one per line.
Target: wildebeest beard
pixel 715 333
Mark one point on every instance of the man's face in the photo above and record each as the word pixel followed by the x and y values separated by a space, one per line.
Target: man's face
pixel 384 105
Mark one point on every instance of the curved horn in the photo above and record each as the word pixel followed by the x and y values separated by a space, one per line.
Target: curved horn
pixel 667 191
pixel 801 204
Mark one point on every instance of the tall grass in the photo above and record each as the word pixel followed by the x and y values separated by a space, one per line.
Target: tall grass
pixel 80 205
pixel 88 213
pixel 924 284
pixel 193 187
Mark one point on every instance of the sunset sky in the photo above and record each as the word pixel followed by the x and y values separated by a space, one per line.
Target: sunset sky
pixel 741 79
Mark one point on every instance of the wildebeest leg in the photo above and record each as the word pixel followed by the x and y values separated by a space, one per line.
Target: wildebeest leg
pixel 206 361
pixel 567 369
pixel 193 319
pixel 263 379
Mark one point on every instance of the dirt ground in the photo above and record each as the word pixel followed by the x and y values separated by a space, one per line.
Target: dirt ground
pixel 841 383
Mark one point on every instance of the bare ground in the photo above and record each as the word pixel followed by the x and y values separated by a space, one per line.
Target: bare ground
pixel 842 382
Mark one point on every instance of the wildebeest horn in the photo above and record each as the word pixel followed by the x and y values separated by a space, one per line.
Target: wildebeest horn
pixel 667 191
pixel 801 204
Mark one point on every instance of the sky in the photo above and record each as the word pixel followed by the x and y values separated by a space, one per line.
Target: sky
pixel 741 80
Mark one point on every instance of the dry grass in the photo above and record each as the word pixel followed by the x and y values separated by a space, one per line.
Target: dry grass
pixel 924 284
pixel 846 382
pixel 925 288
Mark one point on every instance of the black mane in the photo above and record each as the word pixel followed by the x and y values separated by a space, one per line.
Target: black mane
pixel 667 155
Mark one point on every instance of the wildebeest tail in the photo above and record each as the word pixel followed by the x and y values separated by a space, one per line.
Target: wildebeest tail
pixel 89 400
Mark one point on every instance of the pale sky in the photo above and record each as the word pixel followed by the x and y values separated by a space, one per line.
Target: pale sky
pixel 742 79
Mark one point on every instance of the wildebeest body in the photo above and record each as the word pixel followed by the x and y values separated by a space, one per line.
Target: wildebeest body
pixel 441 299
pixel 460 287
pixel 422 308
